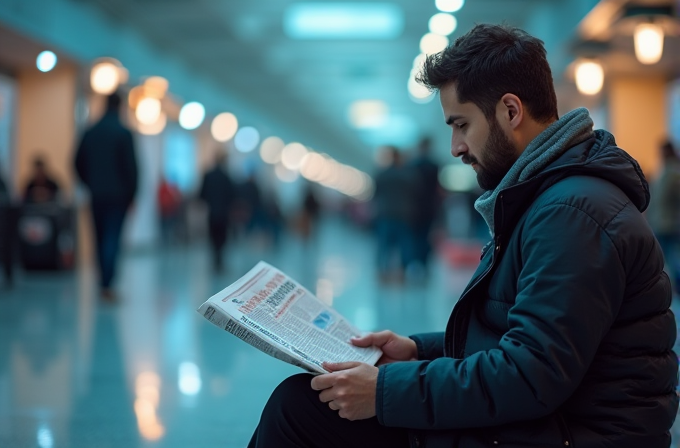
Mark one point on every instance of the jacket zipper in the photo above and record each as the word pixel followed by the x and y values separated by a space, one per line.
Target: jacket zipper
pixel 566 436
pixel 458 325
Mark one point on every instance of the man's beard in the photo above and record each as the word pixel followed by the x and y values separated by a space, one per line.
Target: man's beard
pixel 498 155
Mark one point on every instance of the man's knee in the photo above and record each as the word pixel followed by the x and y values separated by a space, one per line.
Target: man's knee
pixel 291 390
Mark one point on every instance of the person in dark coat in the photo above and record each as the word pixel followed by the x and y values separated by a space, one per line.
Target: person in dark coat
pixel 7 233
pixel 397 191
pixel 217 190
pixel 428 202
pixel 664 210
pixel 563 337
pixel 105 162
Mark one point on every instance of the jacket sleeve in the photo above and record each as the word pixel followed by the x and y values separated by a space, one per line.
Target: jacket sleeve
pixel 569 291
pixel 430 345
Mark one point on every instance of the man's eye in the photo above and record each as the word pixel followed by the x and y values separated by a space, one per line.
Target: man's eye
pixel 461 125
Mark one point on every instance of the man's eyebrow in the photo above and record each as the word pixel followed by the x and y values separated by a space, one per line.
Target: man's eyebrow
pixel 452 118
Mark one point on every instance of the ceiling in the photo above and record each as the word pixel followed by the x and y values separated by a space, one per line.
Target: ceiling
pixel 308 85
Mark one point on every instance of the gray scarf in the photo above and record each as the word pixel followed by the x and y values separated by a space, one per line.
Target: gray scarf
pixel 570 130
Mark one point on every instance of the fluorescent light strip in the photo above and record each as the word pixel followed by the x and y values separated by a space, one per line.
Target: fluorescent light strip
pixel 343 21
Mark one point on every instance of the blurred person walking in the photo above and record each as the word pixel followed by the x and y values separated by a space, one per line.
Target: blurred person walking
pixel 105 161
pixel 397 189
pixel 251 205
pixel 427 204
pixel 217 190
pixel 7 233
pixel 41 187
pixel 309 214
pixel 664 210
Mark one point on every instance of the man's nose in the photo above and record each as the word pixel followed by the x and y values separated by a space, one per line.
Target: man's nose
pixel 458 149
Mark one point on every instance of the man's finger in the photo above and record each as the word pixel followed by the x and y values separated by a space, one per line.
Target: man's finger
pixel 333 406
pixel 327 395
pixel 363 341
pixel 337 366
pixel 378 339
pixel 321 382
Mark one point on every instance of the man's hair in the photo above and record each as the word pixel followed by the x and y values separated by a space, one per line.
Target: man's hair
pixel 113 101
pixel 490 61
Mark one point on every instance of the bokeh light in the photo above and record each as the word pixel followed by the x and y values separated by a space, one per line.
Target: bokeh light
pixel 224 127
pixel 246 139
pixel 105 78
pixel 270 150
pixel 191 115
pixel 46 61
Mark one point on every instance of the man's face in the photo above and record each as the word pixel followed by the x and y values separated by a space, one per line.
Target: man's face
pixel 479 142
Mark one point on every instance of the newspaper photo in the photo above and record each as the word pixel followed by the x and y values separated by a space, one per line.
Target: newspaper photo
pixel 275 314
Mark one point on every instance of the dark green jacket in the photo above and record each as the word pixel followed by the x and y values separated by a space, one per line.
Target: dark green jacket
pixel 564 336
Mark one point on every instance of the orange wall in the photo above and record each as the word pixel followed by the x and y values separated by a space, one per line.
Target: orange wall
pixel 46 123
pixel 637 114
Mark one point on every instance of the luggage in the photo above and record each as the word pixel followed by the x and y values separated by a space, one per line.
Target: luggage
pixel 46 236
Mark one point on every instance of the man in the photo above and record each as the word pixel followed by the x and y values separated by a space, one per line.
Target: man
pixel 105 162
pixel 428 202
pixel 217 190
pixel 664 210
pixel 564 336
pixel 397 190
pixel 7 232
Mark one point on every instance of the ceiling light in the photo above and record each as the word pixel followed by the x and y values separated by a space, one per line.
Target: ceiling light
pixel 443 24
pixel 418 92
pixel 46 61
pixel 449 5
pixel 154 128
pixel 419 61
pixel 312 166
pixel 364 114
pixel 648 43
pixel 343 21
pixel 191 115
pixel 246 139
pixel 105 77
pixel 292 155
pixel 432 43
pixel 270 150
pixel 224 127
pixel 589 77
pixel 148 110
pixel 156 86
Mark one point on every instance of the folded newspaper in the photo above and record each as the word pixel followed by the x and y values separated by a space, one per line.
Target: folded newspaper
pixel 275 314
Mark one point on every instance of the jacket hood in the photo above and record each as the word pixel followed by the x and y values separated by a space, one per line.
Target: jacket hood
pixel 599 156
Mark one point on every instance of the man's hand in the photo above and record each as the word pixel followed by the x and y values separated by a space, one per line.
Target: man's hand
pixel 394 347
pixel 350 389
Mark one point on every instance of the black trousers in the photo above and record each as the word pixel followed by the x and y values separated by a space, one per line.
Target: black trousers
pixel 294 417
pixel 217 229
pixel 108 226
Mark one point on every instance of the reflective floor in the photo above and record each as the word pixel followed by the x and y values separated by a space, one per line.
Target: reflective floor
pixel 150 371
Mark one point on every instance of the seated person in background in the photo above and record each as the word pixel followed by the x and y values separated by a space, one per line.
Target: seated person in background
pixel 40 188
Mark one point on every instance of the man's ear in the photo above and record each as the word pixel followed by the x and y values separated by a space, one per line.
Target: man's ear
pixel 512 110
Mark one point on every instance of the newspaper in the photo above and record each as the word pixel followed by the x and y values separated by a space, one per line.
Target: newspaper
pixel 275 314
